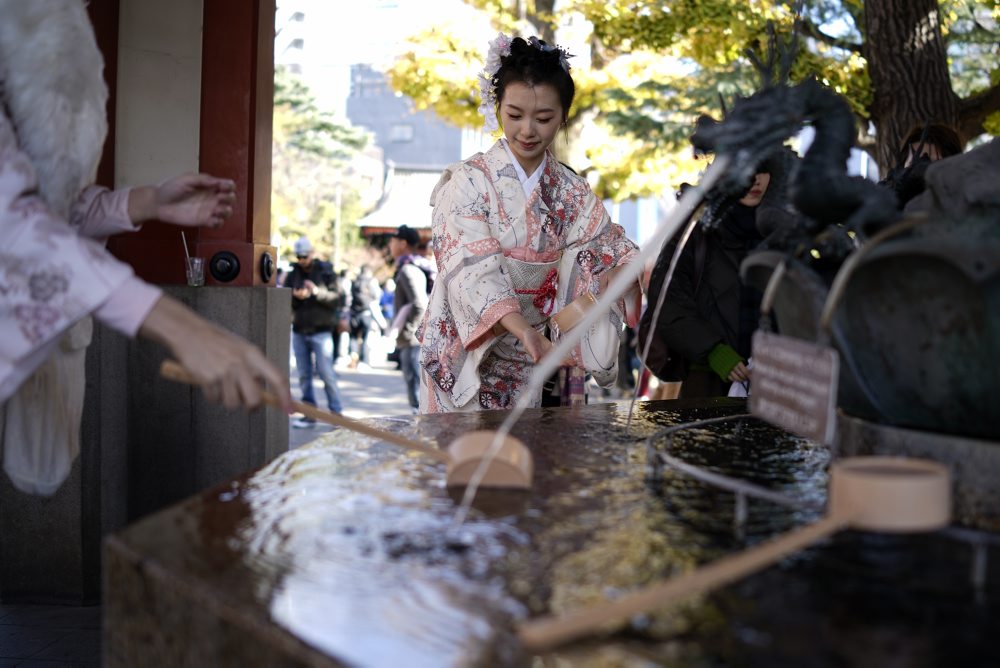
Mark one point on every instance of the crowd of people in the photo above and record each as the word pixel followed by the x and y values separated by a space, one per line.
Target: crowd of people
pixel 336 317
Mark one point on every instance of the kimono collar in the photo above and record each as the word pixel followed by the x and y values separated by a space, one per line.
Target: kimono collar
pixel 528 183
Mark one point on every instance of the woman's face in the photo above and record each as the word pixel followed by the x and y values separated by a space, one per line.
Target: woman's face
pixel 757 190
pixel 531 116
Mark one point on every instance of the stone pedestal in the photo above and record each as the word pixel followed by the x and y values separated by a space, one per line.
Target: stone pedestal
pixel 146 443
pixel 974 463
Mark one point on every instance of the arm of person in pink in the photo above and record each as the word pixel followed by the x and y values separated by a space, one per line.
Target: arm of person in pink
pixel 50 277
pixel 190 200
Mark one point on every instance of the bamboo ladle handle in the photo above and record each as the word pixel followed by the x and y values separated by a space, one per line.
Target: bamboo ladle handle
pixel 888 494
pixel 548 632
pixel 172 370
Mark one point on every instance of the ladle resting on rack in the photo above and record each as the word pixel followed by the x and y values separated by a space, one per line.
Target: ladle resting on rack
pixel 886 494
pixel 512 468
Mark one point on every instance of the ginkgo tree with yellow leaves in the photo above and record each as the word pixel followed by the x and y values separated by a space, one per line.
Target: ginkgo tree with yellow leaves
pixel 654 66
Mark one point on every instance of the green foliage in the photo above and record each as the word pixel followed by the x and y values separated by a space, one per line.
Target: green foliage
pixel 973 53
pixel 992 124
pixel 657 65
pixel 439 71
pixel 309 129
pixel 312 165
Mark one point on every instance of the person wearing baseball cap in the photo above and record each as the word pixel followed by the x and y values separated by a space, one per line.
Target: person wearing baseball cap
pixel 409 235
pixel 317 297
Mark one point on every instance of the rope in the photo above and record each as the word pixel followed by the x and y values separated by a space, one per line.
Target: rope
pixel 545 294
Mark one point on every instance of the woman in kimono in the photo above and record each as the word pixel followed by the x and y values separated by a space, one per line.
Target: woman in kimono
pixel 517 236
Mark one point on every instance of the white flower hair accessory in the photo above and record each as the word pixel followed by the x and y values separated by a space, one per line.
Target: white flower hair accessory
pixel 500 47
pixel 487 88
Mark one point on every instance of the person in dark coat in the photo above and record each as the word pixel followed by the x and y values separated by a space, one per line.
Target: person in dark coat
pixel 317 298
pixel 409 306
pixel 709 315
pixel 921 146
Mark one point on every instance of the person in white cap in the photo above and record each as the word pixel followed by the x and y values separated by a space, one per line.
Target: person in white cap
pixel 317 298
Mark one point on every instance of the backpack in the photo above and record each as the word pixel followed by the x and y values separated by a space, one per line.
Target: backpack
pixel 660 361
pixel 426 266
pixel 361 294
pixel 430 274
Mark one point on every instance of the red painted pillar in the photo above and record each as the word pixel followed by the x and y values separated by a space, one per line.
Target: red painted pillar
pixel 237 98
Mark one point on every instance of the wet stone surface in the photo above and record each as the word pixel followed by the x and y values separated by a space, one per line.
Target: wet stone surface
pixel 350 546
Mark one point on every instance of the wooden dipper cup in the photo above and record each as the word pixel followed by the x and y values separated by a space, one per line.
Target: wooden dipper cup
pixel 886 494
pixel 470 449
pixel 512 468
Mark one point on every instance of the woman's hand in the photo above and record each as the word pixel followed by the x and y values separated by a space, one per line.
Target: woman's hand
pixel 606 277
pixel 535 344
pixel 191 200
pixel 632 298
pixel 228 368
pixel 739 374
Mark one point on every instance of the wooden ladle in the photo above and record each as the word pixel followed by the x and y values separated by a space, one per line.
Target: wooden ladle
pixel 886 494
pixel 511 468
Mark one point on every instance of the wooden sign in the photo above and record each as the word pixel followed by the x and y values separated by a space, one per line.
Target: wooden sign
pixel 794 385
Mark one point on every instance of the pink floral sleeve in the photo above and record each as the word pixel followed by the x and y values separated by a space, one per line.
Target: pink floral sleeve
pixel 99 213
pixel 50 276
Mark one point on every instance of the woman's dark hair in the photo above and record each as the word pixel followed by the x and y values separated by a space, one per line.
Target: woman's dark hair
pixel 937 134
pixel 535 65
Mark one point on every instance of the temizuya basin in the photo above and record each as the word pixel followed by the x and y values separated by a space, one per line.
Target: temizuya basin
pixel 344 552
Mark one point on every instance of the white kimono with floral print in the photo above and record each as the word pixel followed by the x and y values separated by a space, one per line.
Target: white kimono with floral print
pixel 499 252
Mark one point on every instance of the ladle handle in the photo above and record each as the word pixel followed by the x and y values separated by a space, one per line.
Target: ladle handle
pixel 546 633
pixel 171 370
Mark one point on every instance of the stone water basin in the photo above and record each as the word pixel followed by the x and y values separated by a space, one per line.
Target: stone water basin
pixel 345 552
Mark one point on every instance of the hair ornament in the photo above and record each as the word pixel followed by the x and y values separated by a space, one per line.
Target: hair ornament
pixel 487 85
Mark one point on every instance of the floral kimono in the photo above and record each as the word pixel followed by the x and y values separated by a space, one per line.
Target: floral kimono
pixel 500 251
pixel 54 270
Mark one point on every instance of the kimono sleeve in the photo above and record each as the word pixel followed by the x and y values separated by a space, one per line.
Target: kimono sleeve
pixel 50 277
pixel 99 213
pixel 605 239
pixel 471 261
pixel 597 245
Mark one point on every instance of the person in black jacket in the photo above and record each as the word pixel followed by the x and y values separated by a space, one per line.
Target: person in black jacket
pixel 921 146
pixel 709 315
pixel 317 297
